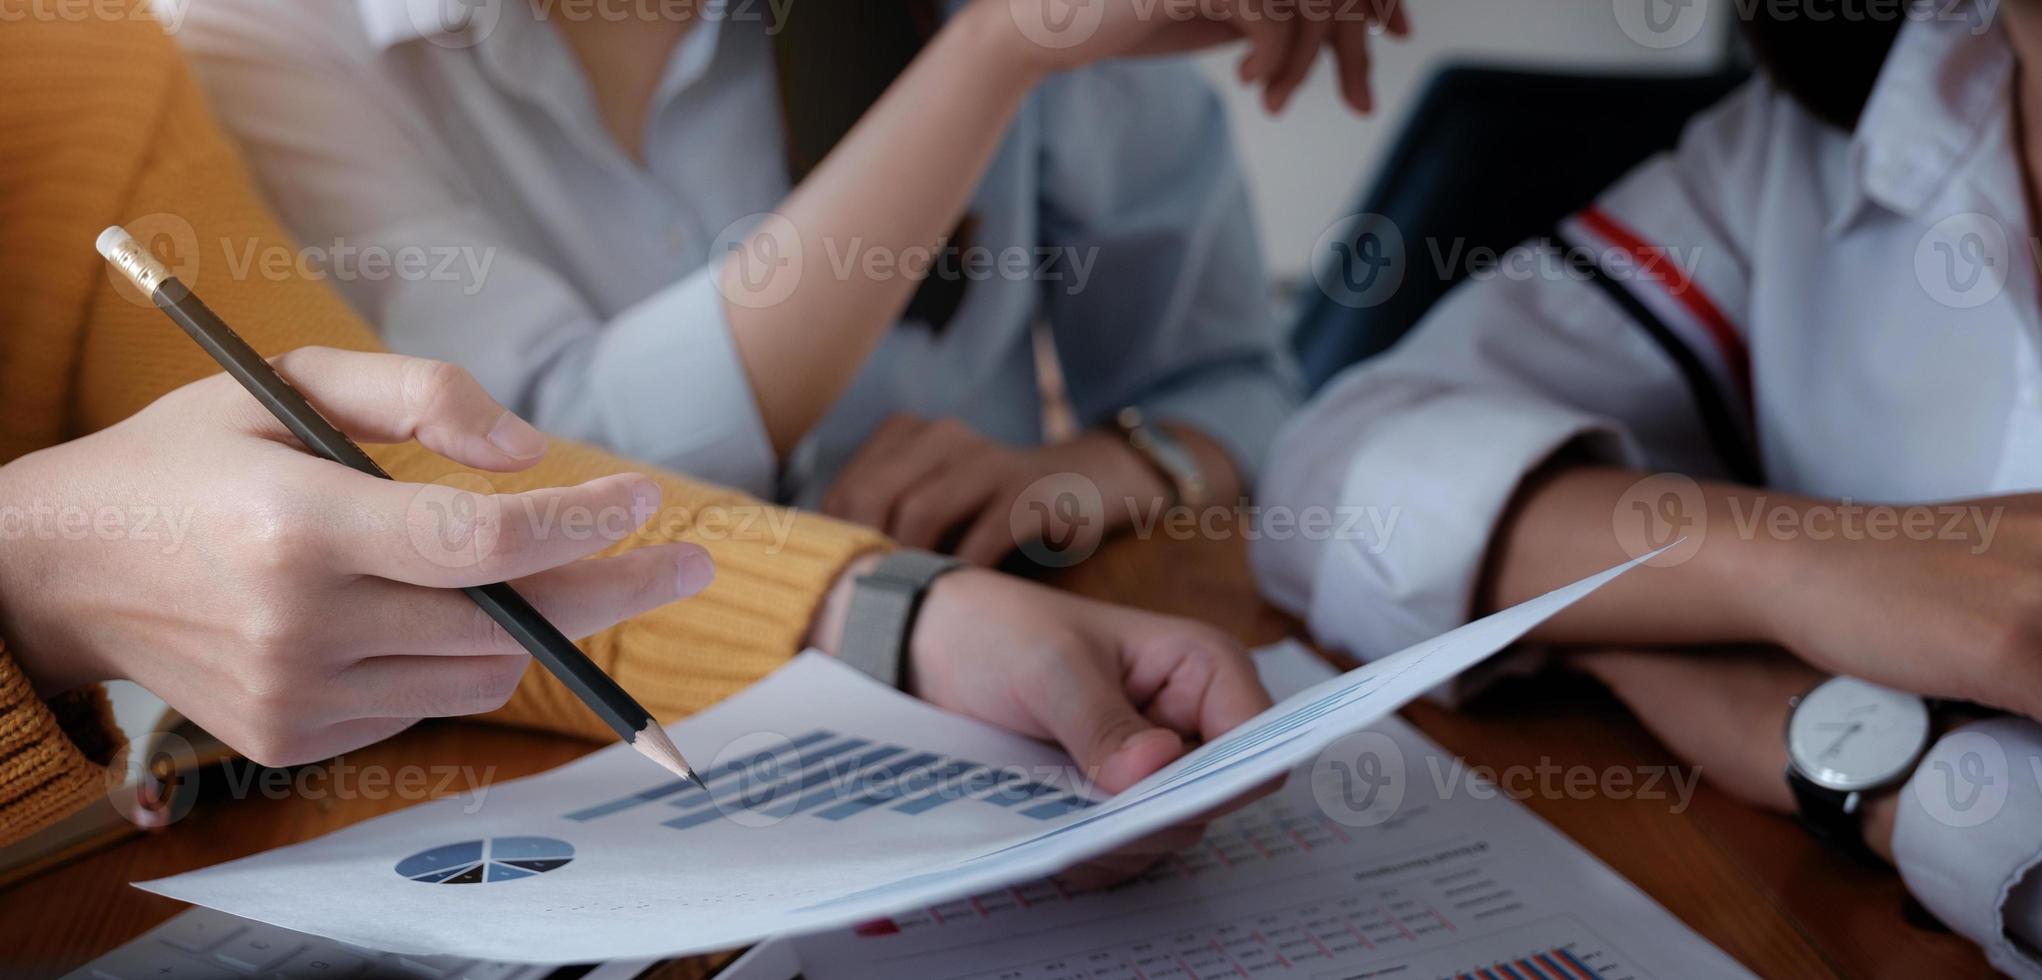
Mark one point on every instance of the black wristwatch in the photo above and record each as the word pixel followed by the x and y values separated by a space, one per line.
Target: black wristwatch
pixel 1846 740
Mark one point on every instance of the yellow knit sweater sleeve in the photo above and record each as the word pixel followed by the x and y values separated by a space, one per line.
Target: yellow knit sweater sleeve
pixel 50 751
pixel 103 125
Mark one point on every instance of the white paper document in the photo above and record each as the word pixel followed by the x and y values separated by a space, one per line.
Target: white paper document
pixel 831 801
pixel 1381 858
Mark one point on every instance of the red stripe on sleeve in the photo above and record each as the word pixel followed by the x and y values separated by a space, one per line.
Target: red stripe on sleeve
pixel 1652 262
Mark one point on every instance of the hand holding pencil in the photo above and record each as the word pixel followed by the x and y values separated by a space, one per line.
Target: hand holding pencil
pixel 322 625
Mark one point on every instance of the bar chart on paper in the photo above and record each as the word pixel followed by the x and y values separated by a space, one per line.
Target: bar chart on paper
pixel 1559 948
pixel 833 778
pixel 1450 885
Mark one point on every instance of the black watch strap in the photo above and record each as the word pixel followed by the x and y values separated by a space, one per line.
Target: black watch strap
pixel 881 617
pixel 1833 816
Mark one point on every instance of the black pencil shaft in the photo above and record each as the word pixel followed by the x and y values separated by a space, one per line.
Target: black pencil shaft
pixel 254 373
pixel 510 610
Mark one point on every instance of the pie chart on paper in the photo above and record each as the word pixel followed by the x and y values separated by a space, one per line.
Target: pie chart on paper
pixel 474 862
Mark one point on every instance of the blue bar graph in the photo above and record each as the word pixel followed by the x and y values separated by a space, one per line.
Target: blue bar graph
pixel 1557 963
pixel 905 786
pixel 1015 794
pixel 819 773
pixel 834 778
pixel 710 777
pixel 757 787
pixel 1575 961
pixel 1057 807
pixel 835 789
pixel 937 797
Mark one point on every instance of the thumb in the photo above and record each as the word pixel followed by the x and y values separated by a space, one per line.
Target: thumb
pixel 1096 723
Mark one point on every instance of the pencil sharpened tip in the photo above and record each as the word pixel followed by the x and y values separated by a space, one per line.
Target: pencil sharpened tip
pixel 652 742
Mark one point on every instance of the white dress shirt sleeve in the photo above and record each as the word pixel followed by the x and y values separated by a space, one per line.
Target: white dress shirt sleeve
pixel 1424 447
pixel 1968 838
pixel 1381 498
pixel 349 166
pixel 1142 190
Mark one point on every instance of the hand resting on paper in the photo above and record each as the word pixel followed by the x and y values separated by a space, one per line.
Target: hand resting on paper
pixel 1125 692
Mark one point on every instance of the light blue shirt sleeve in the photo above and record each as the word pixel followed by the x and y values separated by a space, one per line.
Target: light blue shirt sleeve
pixel 660 381
pixel 663 382
pixel 354 160
pixel 1163 304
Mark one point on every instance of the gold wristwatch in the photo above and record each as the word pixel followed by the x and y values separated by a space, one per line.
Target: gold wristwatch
pixel 1166 455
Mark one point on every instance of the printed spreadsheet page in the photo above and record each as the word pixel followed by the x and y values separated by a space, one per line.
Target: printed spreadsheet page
pixel 1383 857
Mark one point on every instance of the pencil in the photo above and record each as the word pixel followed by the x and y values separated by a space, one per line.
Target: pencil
pixel 596 689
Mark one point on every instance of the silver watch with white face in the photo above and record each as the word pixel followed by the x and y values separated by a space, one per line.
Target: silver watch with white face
pixel 1851 735
pixel 1847 738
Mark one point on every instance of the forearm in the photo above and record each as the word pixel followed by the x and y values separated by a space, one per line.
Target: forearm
pixel 1961 830
pixel 1568 522
pixel 899 181
pixel 1723 711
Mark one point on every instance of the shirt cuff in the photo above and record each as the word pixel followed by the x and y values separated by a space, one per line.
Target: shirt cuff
pixel 1419 504
pixel 1968 838
pixel 671 390
pixel 1241 411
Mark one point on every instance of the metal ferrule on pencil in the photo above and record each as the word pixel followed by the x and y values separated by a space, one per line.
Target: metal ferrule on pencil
pixel 133 259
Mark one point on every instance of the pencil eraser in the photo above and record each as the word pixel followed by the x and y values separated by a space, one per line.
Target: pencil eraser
pixel 111 239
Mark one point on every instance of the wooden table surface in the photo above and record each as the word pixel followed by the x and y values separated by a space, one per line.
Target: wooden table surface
pixel 1751 883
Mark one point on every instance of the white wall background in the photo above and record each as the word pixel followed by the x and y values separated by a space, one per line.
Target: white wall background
pixel 1306 167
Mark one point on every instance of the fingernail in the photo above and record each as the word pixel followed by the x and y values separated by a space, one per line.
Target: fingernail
pixel 1137 736
pixel 695 570
pixel 644 499
pixel 516 438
